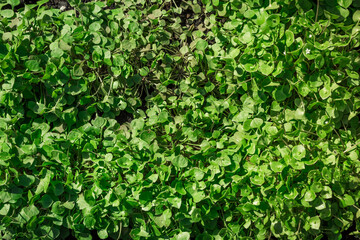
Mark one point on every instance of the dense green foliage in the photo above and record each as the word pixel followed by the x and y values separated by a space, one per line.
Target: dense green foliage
pixel 180 119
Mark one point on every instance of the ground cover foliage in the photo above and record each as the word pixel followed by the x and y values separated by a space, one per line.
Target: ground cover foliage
pixel 182 120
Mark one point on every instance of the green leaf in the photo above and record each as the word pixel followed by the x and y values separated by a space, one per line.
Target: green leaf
pixel 258 180
pixel 164 220
pixel 256 123
pixel 95 26
pixel 315 222
pixel 309 51
pixel 148 136
pixel 198 196
pixel 13 3
pixel 7 13
pixel 325 92
pixel 26 180
pixel 44 183
pixel 319 61
pixel 246 37
pixel 58 188
pixel 234 53
pixel 279 69
pixel 309 196
pixel 347 200
pixel 289 38
pixel 78 70
pixel 272 130
pixel 179 187
pixel 356 16
pixel 196 8
pixel 163 117
pixel 81 203
pixel 296 164
pixel 276 166
pixel 97 55
pixel 183 236
pixel 251 65
pixel 265 68
pixel 28 212
pixel 134 27
pixel 355 30
pixel 32 65
pixel 303 89
pixel 316 187
pixel 89 222
pixel 292 195
pixel 99 122
pixel 276 228
pixel 319 204
pixel 37 108
pixel 3 50
pixel 4 209
pixel 103 234
pixel 46 201
pixel 144 71
pixel 326 193
pixel 137 124
pixel 179 161
pixel 74 135
pixel 57 208
pixel 326 174
pixel 279 94
pixel 141 232
pixel 196 215
pixel 344 3
pixel 298 152
pixel 57 52
pixel 201 45
pixel 176 202
pixel 273 20
pixel 125 162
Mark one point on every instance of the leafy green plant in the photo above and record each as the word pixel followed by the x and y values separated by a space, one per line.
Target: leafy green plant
pixel 180 119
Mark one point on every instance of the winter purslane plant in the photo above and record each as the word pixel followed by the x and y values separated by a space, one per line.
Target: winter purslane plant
pixel 180 120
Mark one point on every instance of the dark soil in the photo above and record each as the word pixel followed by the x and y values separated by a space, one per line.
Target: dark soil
pixel 187 16
pixel 50 4
pixel 124 117
pixel 53 4
pixel 346 233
